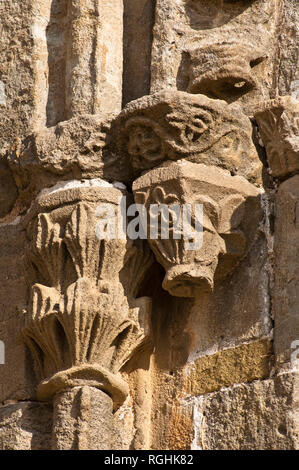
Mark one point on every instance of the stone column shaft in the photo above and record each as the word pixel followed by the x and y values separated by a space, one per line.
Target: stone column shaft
pixel 82 420
pixel 94 57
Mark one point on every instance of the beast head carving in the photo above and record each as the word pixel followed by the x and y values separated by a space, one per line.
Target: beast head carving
pixel 173 125
pixel 224 71
pixel 231 214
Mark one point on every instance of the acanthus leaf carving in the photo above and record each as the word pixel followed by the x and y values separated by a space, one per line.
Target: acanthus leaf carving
pixel 82 243
pixel 87 323
pixel 45 252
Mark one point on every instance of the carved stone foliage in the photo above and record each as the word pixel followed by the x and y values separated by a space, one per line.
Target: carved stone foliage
pixel 173 125
pixel 278 122
pixel 83 324
pixel 231 215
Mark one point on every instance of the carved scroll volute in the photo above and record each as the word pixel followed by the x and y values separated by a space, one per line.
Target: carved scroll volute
pixel 82 326
pixel 173 125
pixel 231 214
pixel 278 122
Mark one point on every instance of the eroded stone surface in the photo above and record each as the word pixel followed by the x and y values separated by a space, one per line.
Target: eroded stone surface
pixel 16 374
pixel 279 127
pixel 125 364
pixel 234 39
pixel 243 363
pixel 25 426
pixel 82 420
pixel 288 81
pixel 261 415
pixel 285 291
pixel 81 148
pixel 173 125
pixel 16 71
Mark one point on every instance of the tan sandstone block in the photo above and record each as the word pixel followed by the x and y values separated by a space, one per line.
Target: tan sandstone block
pixel 244 363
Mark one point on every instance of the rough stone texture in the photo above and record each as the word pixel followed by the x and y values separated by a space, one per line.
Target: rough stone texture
pixel 83 420
pixel 262 415
pixel 234 39
pixel 77 62
pixel 228 225
pixel 25 426
pixel 217 322
pixel 8 190
pixel 79 148
pixel 16 71
pixel 16 374
pixel 68 260
pixel 94 57
pixel 288 33
pixel 86 325
pixel 278 122
pixel 172 125
pixel 285 292
pixel 58 60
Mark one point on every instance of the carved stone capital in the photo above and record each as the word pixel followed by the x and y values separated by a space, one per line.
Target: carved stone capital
pixel 80 148
pixel 83 322
pixel 231 214
pixel 278 122
pixel 172 125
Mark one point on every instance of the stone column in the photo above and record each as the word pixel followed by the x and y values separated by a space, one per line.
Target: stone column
pixel 78 59
pixel 83 322
pixel 94 57
pixel 82 420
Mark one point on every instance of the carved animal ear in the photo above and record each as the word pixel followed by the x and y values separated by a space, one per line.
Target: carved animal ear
pixel 232 213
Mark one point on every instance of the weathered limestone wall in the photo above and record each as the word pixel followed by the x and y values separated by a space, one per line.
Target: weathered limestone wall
pixel 122 344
